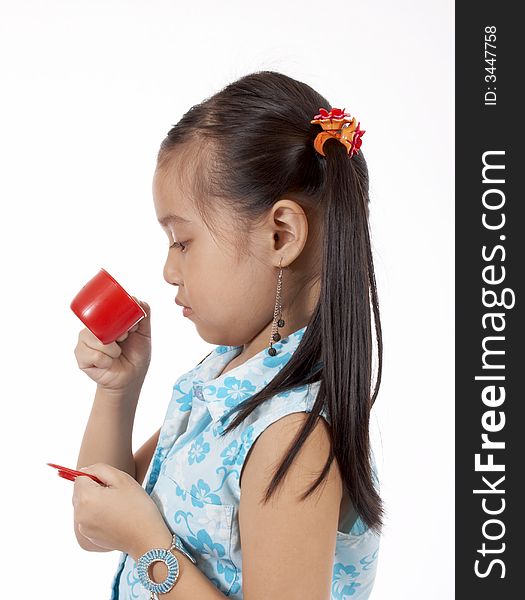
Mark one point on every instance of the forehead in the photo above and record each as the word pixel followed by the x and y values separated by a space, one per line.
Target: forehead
pixel 172 197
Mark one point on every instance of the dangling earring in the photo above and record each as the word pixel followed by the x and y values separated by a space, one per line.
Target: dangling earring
pixel 278 321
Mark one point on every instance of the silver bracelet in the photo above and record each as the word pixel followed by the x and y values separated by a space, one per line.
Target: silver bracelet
pixel 176 543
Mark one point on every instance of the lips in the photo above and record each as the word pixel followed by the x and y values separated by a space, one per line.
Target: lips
pixel 180 303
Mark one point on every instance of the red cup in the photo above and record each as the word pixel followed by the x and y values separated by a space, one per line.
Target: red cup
pixel 105 308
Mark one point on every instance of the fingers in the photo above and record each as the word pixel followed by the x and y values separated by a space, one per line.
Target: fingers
pixel 91 352
pixel 144 325
pixel 125 335
pixel 144 305
pixel 89 357
pixel 89 340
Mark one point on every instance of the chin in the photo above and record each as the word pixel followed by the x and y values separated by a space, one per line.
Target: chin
pixel 213 337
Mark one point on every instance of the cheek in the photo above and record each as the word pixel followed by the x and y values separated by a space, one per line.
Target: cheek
pixel 206 278
pixel 215 280
pixel 232 302
pixel 250 288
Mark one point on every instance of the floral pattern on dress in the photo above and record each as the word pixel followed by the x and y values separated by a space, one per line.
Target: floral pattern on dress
pixel 195 470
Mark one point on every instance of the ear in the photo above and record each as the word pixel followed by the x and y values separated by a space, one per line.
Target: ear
pixel 288 225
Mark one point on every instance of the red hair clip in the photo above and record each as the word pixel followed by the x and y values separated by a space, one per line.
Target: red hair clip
pixel 340 125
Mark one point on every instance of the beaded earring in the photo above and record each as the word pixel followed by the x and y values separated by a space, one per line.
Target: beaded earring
pixel 278 321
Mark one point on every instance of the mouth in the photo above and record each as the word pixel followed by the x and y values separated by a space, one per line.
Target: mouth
pixel 186 310
pixel 180 304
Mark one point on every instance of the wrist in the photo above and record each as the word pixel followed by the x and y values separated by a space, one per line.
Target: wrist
pixel 119 397
pixel 159 539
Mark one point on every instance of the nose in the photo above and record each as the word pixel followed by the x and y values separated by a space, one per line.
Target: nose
pixel 170 272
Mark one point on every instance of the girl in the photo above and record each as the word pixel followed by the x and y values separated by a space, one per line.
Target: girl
pixel 265 206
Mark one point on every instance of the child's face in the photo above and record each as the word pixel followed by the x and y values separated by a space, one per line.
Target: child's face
pixel 232 299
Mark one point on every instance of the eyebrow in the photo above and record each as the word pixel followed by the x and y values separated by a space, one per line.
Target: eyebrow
pixel 169 218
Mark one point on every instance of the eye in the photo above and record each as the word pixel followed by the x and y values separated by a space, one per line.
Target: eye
pixel 181 245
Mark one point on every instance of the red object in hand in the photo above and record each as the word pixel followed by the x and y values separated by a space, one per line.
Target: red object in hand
pixel 72 474
pixel 105 308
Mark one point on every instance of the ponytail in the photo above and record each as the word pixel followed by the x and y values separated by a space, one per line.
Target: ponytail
pixel 348 281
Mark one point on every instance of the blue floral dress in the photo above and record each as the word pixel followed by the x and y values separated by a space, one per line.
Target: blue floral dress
pixel 194 473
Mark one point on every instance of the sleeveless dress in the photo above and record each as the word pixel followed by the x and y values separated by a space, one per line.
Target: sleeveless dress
pixel 194 473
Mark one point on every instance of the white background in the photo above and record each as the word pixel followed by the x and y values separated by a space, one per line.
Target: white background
pixel 89 90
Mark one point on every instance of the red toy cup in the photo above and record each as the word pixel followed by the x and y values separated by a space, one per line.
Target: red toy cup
pixel 105 308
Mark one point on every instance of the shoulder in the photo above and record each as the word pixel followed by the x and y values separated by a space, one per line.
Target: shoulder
pixel 289 530
pixel 275 442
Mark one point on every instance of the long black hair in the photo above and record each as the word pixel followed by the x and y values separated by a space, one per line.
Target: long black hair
pixel 249 145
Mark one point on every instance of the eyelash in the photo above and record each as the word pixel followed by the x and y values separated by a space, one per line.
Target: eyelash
pixel 179 245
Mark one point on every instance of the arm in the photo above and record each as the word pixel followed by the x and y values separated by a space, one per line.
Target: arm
pixel 144 455
pixel 108 438
pixel 285 532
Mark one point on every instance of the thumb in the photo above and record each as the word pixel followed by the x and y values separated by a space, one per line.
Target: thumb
pixel 105 473
pixel 144 325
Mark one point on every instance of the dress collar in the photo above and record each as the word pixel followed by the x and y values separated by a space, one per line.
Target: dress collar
pixel 222 392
